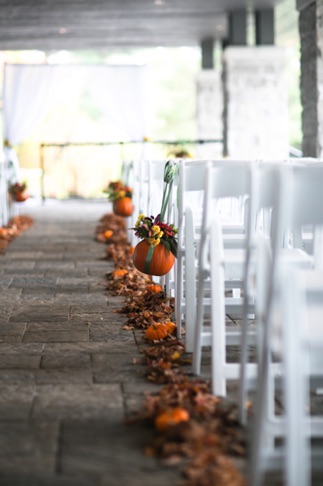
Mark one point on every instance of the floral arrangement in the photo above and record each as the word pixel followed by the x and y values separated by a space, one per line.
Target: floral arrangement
pixel 154 231
pixel 17 188
pixel 117 190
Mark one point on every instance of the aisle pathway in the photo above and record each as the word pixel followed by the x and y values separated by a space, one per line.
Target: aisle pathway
pixel 66 371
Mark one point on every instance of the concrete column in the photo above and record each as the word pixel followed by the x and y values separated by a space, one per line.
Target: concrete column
pixel 256 102
pixel 209 111
pixel 237 28
pixel 264 23
pixel 207 48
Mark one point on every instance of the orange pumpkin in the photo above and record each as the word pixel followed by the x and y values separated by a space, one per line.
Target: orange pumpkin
pixel 171 327
pixel 123 206
pixel 161 262
pixel 108 233
pixel 171 417
pixel 154 288
pixel 21 196
pixel 120 272
pixel 131 250
pixel 156 332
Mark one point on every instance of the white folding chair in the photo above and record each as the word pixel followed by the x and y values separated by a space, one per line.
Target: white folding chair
pixel 234 179
pixel 190 209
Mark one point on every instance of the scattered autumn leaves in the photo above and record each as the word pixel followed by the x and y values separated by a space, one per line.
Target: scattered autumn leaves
pixel 16 226
pixel 193 427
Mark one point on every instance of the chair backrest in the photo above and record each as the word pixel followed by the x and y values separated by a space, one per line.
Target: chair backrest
pixel 234 179
pixel 303 204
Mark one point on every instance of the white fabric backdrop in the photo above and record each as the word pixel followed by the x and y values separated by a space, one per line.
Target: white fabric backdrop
pixel 30 90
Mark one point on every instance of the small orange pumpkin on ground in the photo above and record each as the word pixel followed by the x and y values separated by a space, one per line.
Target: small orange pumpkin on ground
pixel 156 332
pixel 161 262
pixel 154 288
pixel 3 233
pixel 120 272
pixel 131 250
pixel 171 327
pixel 108 233
pixel 171 417
pixel 123 206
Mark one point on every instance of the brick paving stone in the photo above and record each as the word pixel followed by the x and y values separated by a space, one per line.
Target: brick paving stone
pixel 55 336
pixel 16 361
pixel 35 296
pixel 68 360
pixel 78 401
pixel 16 401
pixel 5 282
pixel 29 348
pixel 28 446
pixel 63 376
pixel 58 326
pixel 125 463
pixel 40 313
pixel 55 265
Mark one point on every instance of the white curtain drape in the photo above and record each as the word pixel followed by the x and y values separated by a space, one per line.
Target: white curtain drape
pixel 30 90
pixel 28 93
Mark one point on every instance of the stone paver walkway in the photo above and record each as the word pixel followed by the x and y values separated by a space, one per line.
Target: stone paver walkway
pixel 66 370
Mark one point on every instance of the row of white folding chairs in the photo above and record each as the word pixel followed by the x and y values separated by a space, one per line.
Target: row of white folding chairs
pixel 281 299
pixel 231 183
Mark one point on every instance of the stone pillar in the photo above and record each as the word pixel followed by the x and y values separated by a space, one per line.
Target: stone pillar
pixel 256 102
pixel 311 35
pixel 209 112
pixel 209 104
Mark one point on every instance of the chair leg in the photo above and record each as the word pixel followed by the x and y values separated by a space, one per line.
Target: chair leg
pixel 217 314
pixel 190 282
pixel 179 294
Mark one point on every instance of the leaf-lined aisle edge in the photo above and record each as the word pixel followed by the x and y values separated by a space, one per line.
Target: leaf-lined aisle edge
pixel 210 441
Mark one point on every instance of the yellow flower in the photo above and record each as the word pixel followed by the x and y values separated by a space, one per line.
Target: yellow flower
pixel 155 229
pixel 160 234
pixel 121 194
pixel 139 219
pixel 153 241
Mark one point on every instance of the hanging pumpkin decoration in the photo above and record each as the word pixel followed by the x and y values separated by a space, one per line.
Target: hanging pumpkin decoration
pixel 156 332
pixel 153 260
pixel 171 417
pixel 123 206
pixel 21 196
pixel 156 253
pixel 121 197
pixel 19 192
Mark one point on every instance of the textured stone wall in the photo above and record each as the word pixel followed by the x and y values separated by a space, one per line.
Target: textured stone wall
pixel 209 111
pixel 308 25
pixel 256 102
pixel 319 67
